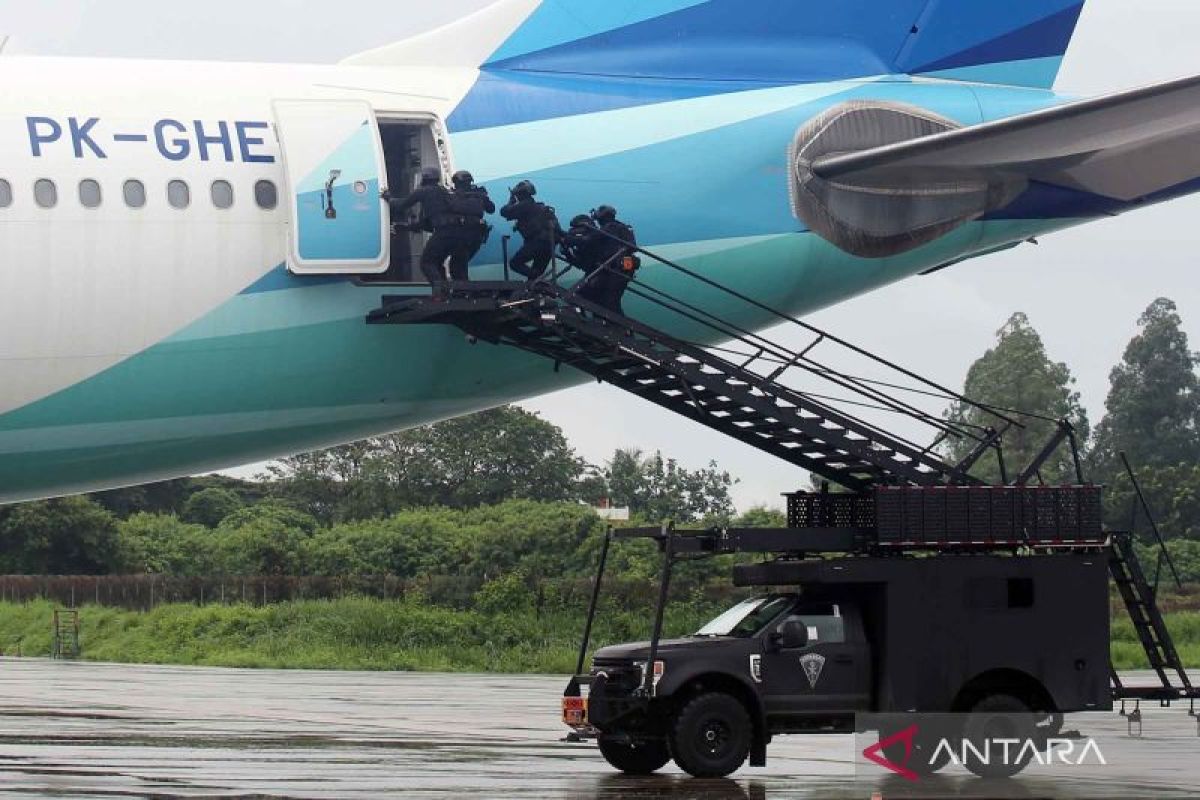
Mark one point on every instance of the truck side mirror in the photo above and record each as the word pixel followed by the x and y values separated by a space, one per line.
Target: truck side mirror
pixel 791 635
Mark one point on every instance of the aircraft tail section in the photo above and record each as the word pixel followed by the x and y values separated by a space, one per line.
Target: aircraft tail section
pixel 1019 42
pixel 1014 43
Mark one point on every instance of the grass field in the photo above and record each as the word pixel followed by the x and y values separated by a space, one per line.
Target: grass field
pixel 354 633
pixel 371 634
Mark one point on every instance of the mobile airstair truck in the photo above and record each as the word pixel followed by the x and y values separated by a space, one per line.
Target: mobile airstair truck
pixel 921 589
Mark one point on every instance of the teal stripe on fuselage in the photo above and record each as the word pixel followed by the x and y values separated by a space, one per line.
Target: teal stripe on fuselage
pixel 242 385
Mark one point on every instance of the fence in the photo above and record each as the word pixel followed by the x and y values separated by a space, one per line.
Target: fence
pixel 143 592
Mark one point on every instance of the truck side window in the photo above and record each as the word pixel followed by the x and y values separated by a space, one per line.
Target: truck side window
pixel 825 625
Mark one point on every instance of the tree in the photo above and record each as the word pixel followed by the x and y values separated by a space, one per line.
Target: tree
pixel 1017 374
pixel 762 517
pixel 658 489
pixel 70 536
pixel 1153 404
pixel 267 539
pixel 208 507
pixel 170 497
pixel 161 544
pixel 164 497
pixel 482 459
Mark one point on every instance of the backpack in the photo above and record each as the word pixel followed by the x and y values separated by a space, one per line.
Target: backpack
pixel 468 204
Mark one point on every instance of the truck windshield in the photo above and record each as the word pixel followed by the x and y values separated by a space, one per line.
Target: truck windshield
pixel 748 617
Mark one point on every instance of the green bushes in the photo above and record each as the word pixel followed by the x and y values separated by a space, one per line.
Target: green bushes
pixel 353 633
pixel 550 539
pixel 361 633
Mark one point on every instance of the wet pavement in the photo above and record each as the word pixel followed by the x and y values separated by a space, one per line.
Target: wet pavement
pixel 100 730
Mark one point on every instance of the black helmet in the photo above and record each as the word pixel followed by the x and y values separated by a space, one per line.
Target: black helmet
pixel 462 179
pixel 431 175
pixel 581 220
pixel 604 214
pixel 525 188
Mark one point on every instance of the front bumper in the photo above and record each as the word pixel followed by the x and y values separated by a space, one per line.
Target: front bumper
pixel 613 698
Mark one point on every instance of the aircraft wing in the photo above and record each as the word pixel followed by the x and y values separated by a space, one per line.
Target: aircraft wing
pixel 1126 146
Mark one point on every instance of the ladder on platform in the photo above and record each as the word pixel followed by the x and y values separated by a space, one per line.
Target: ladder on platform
pixel 66 634
pixel 1141 602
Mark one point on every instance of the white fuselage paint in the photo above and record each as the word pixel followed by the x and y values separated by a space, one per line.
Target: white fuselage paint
pixel 81 288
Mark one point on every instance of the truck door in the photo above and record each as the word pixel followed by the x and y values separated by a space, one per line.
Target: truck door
pixel 829 674
pixel 335 169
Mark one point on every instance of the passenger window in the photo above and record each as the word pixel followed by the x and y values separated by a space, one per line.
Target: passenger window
pixel 89 193
pixel 6 197
pixel 45 193
pixel 824 623
pixel 266 195
pixel 178 194
pixel 135 194
pixel 222 194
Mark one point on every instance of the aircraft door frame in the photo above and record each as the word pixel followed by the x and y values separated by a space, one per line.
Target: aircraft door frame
pixel 333 159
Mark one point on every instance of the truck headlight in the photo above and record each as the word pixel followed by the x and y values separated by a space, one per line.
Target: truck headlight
pixel 660 669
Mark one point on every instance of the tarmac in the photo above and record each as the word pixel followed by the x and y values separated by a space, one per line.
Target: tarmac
pixel 72 729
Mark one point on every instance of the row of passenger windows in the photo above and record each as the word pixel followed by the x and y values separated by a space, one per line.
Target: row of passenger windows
pixel 179 194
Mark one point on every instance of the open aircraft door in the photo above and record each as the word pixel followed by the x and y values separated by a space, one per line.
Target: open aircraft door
pixel 333 157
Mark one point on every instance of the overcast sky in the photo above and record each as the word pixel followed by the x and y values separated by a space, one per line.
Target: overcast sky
pixel 1082 289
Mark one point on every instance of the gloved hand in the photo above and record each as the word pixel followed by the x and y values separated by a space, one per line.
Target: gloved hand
pixel 386 195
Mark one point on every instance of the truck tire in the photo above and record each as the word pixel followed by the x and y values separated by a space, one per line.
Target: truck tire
pixel 711 735
pixel 998 716
pixel 642 758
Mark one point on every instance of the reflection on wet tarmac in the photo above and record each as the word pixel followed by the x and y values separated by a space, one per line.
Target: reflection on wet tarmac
pixel 119 731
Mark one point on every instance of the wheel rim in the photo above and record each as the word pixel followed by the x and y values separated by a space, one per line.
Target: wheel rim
pixel 714 736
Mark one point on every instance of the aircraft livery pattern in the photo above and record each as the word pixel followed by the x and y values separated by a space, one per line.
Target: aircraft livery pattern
pixel 284 363
pixel 777 41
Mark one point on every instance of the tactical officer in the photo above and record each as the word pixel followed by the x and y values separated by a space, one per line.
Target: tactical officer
pixel 539 229
pixel 470 203
pixel 606 249
pixel 578 243
pixel 434 200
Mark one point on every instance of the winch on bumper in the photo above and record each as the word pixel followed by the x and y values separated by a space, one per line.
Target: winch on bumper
pixel 617 695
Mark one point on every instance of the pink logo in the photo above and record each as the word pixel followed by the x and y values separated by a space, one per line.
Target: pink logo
pixel 875 755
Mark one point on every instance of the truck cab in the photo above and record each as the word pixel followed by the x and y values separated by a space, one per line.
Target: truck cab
pixel 795 664
pixel 992 646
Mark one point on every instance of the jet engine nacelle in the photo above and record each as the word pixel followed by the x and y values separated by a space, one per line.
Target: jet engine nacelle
pixel 875 214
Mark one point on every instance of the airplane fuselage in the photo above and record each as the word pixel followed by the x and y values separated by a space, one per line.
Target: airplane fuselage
pixel 146 340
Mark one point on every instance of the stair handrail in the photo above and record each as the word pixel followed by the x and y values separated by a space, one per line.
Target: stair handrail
pixel 779 351
pixel 830 411
pixel 1163 552
pixel 807 326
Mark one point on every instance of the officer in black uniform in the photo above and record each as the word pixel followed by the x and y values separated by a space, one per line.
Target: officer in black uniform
pixel 606 249
pixel 539 229
pixel 434 200
pixel 577 243
pixel 470 204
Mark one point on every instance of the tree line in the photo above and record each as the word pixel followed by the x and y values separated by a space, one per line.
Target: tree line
pixel 503 491
pixel 1152 414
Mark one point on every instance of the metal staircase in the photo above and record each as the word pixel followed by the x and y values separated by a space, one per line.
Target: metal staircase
pixel 1140 600
pixel 747 400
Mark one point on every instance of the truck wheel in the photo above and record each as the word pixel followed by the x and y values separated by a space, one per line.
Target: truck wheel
pixel 998 716
pixel 711 735
pixel 641 758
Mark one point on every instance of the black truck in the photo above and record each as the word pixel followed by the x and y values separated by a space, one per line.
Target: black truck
pixel 852 629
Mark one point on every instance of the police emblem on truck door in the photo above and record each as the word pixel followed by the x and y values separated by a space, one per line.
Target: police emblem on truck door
pixel 812 663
